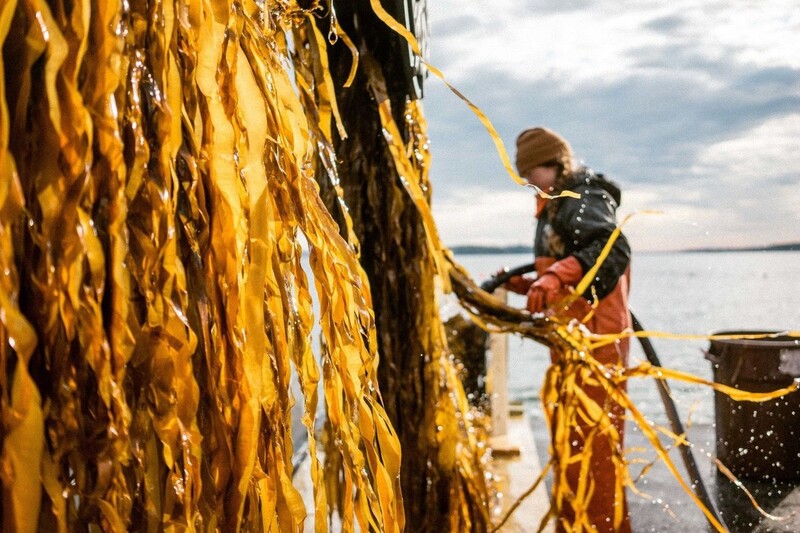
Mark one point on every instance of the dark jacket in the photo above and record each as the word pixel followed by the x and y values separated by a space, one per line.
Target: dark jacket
pixel 581 228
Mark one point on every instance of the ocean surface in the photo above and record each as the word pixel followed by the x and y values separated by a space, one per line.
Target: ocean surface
pixel 680 293
pixel 683 294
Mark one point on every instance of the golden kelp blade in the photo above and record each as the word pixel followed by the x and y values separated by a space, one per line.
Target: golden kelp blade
pixel 325 82
pixel 20 408
pixel 727 473
pixel 588 278
pixel 159 240
pixel 353 50
pixel 64 278
pixel 411 182
pixel 458 437
pixel 646 369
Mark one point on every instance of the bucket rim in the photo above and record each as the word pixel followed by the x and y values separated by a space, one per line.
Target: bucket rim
pixel 779 338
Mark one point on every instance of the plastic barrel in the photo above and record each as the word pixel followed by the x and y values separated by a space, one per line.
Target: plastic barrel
pixel 757 440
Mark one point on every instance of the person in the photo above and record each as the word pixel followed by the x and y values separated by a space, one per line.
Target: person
pixel 570 236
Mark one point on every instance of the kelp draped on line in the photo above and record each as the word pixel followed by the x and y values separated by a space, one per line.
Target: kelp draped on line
pixel 383 170
pixel 156 174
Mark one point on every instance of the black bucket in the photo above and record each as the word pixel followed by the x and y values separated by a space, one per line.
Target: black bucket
pixel 758 440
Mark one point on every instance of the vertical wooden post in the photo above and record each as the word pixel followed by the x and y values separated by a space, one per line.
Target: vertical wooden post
pixel 497 386
pixel 497 377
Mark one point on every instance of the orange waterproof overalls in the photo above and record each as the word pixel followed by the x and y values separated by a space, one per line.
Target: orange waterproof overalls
pixel 610 316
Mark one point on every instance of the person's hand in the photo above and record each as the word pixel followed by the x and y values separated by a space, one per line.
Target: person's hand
pixel 518 284
pixel 543 292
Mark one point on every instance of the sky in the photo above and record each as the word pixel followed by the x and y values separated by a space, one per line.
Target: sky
pixel 692 106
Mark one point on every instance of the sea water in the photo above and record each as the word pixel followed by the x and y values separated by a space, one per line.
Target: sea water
pixel 680 293
pixel 691 293
pixel 683 294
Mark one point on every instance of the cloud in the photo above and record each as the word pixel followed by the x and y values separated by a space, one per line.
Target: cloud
pixel 688 105
pixel 571 41
pixel 768 154
pixel 669 24
pixel 741 191
pixel 475 215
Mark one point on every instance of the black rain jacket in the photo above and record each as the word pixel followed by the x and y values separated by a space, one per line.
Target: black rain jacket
pixel 581 227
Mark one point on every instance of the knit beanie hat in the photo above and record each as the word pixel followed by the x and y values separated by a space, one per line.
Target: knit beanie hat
pixel 536 146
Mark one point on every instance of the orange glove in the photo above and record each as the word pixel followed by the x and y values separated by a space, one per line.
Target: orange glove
pixel 518 284
pixel 543 292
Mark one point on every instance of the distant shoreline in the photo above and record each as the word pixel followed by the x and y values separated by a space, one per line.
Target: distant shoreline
pixel 469 249
pixel 786 247
pixel 476 249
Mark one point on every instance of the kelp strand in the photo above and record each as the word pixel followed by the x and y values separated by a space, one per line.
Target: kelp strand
pixel 565 403
pixel 157 169
pixel 157 250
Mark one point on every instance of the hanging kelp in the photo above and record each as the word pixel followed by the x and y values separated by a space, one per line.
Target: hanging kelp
pixel 382 176
pixel 156 162
pixel 460 435
pixel 567 405
pixel 20 403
